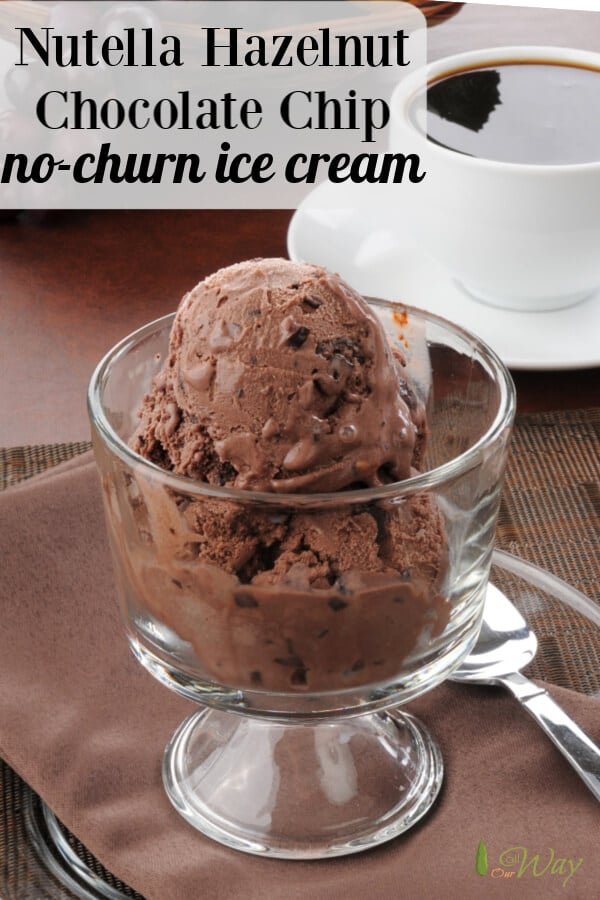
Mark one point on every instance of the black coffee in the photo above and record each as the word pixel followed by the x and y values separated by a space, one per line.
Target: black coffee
pixel 520 112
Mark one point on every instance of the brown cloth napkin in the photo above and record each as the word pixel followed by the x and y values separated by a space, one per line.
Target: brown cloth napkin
pixel 85 725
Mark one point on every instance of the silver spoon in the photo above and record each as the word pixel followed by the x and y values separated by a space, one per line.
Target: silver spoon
pixel 505 645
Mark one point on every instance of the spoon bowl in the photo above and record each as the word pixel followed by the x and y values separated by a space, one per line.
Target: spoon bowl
pixel 506 644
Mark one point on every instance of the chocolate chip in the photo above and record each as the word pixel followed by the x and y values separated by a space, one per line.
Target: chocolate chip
pixel 297 339
pixel 322 633
pixel 407 394
pixel 319 387
pixel 292 660
pixel 358 665
pixel 224 473
pixel 256 677
pixel 177 582
pixel 345 347
pixel 298 676
pixel 313 302
pixel 337 604
pixel 239 393
pixel 245 601
pixel 191 550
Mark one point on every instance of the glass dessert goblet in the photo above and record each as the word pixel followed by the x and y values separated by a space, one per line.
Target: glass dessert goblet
pixel 300 623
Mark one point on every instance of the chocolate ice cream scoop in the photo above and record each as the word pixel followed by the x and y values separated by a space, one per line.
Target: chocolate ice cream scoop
pixel 300 600
pixel 280 378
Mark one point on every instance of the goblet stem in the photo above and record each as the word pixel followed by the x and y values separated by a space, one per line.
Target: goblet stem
pixel 306 790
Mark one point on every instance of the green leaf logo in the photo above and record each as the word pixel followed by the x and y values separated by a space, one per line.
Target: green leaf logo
pixel 481 860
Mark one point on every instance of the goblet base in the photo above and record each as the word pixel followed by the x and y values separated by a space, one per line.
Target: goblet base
pixel 304 790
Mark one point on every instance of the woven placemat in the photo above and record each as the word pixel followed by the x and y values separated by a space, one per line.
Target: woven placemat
pixel 550 512
pixel 550 516
pixel 19 463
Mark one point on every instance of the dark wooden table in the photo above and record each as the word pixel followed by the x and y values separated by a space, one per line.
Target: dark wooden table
pixel 72 284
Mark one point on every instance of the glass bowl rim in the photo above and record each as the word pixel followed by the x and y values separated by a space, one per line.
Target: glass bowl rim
pixel 423 481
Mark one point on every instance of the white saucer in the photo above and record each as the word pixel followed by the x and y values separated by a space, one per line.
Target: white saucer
pixel 373 250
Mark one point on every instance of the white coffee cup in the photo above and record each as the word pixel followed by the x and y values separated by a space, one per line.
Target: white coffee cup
pixel 517 235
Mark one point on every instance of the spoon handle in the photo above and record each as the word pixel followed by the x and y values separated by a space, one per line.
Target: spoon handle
pixel 573 743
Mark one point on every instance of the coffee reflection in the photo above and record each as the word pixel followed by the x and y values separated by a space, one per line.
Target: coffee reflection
pixel 467 99
pixel 543 113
